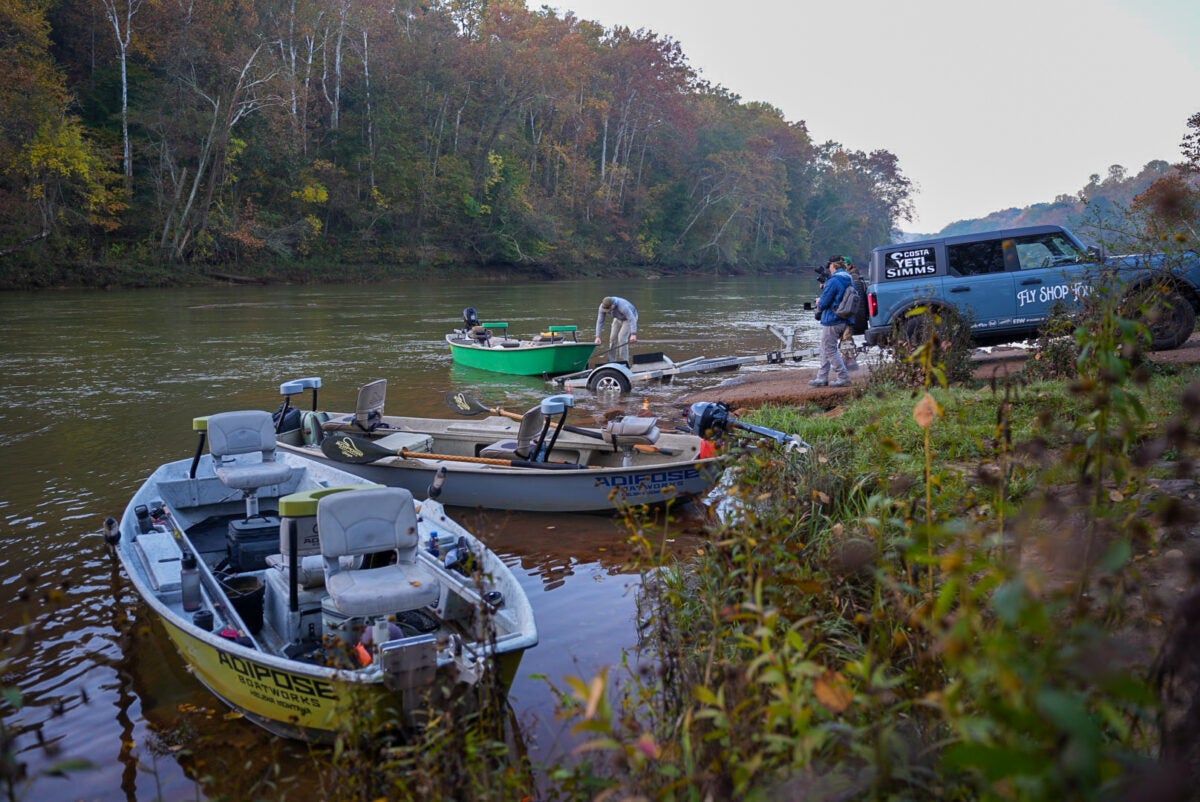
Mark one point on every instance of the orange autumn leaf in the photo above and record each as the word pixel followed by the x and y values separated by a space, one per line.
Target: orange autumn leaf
pixel 926 411
pixel 831 691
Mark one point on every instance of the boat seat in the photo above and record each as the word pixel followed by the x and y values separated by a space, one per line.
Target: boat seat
pixel 528 442
pixel 628 432
pixel 362 522
pixel 368 410
pixel 232 436
pixel 631 431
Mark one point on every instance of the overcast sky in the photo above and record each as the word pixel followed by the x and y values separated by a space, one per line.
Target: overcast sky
pixel 987 104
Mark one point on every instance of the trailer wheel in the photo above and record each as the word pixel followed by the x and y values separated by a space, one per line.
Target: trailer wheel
pixel 608 380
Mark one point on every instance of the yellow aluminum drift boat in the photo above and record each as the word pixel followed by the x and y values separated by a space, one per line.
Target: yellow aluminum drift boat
pixel 487 346
pixel 287 611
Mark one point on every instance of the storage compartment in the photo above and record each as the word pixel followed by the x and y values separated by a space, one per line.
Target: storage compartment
pixel 161 556
pixel 302 626
pixel 410 441
pixel 250 541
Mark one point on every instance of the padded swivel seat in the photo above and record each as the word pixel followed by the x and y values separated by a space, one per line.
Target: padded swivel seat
pixel 368 410
pixel 528 441
pixel 628 432
pixel 231 436
pixel 361 522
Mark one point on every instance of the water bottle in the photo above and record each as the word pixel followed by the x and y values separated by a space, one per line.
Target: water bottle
pixel 143 518
pixel 189 580
pixel 433 544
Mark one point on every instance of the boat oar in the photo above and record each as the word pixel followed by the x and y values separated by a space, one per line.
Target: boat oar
pixel 613 348
pixel 357 450
pixel 468 405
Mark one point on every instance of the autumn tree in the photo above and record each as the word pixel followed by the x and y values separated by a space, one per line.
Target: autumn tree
pixel 858 200
pixel 215 77
pixel 120 14
pixel 396 130
pixel 1170 207
pixel 52 175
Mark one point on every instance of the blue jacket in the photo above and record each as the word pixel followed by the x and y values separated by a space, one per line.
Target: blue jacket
pixel 835 287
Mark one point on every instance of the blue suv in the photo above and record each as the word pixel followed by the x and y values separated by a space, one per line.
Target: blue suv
pixel 1007 283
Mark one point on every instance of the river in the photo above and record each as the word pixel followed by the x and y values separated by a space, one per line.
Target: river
pixel 101 387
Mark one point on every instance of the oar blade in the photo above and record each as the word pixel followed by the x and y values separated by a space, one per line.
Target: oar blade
pixel 350 448
pixel 464 404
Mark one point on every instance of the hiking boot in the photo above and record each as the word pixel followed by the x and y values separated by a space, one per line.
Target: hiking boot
pixel 840 383
pixel 819 383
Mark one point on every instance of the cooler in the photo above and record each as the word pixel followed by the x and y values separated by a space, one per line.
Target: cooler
pixel 250 541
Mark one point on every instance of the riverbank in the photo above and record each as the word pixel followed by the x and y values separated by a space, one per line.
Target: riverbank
pixel 115 275
pixel 925 547
pixel 788 386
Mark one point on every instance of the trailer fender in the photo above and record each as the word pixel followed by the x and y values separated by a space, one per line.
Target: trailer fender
pixel 610 377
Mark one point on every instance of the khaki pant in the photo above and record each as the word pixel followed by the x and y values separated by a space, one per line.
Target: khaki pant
pixel 618 341
pixel 831 355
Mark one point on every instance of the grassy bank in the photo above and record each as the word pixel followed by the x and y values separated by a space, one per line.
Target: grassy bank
pixel 964 592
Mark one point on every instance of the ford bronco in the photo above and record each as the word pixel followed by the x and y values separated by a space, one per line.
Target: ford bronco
pixel 1007 283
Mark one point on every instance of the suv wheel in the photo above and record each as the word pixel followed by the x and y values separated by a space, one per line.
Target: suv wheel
pixel 1169 316
pixel 918 328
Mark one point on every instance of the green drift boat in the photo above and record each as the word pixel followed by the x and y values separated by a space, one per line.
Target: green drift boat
pixel 487 346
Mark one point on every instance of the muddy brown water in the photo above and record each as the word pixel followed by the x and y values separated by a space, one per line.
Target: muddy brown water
pixel 101 387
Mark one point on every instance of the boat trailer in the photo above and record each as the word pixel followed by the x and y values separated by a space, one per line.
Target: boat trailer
pixel 619 377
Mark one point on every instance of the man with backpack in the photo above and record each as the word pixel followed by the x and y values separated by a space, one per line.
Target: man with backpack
pixel 836 309
pixel 849 348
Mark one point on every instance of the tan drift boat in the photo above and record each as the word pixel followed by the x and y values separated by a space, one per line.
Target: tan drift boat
pixel 295 592
pixel 534 462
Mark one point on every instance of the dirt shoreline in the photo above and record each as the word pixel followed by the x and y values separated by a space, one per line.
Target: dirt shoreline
pixel 788 386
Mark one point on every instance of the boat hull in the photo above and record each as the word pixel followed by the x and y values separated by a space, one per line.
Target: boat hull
pixel 525 359
pixel 532 490
pixel 607 481
pixel 312 696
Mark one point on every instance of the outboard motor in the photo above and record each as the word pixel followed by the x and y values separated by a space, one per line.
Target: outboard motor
pixel 470 318
pixel 711 419
pixel 708 418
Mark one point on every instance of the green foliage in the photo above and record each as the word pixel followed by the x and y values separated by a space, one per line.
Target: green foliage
pixel 947 599
pixel 929 346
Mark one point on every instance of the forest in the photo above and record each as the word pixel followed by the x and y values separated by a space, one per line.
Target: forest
pixel 149 141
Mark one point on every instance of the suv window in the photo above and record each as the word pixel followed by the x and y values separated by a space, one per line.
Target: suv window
pixel 976 258
pixel 1047 250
